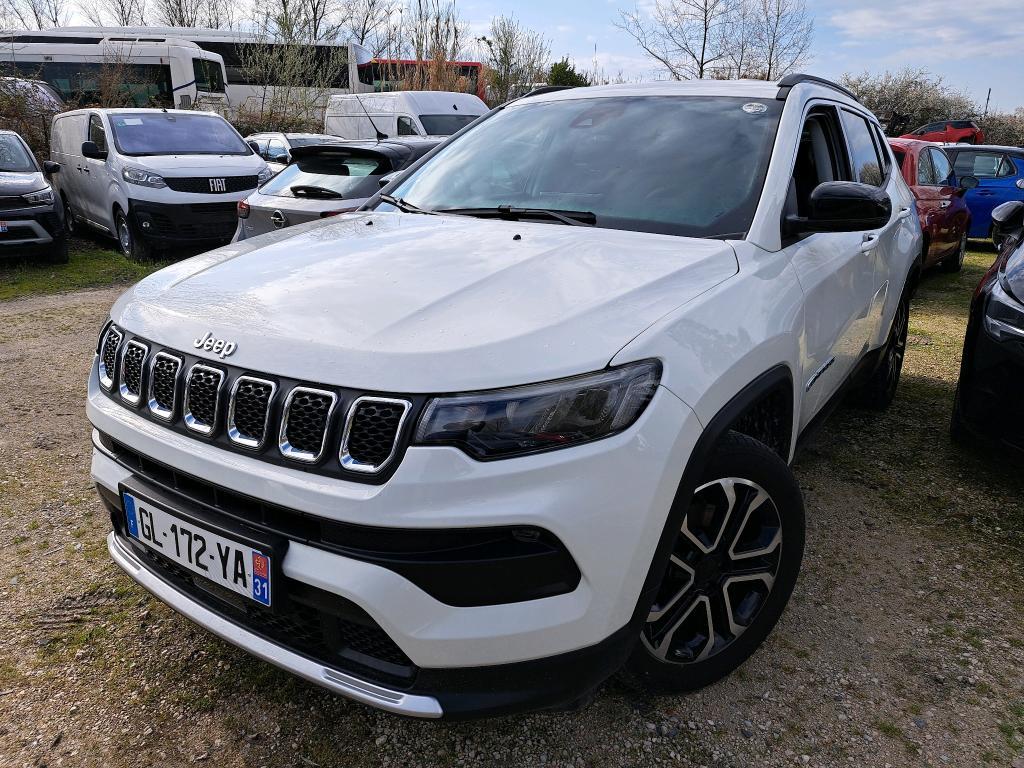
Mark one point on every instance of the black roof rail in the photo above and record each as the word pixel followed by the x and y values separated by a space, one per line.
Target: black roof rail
pixel 786 85
pixel 546 89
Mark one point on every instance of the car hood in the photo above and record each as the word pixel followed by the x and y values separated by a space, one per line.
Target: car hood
pixel 415 303
pixel 198 165
pixel 12 183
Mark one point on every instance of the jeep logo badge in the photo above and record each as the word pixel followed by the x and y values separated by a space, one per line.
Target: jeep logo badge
pixel 211 343
pixel 218 185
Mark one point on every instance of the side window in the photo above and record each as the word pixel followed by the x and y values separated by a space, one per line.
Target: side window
pixel 1007 168
pixel 819 159
pixel 925 169
pixel 882 147
pixel 943 170
pixel 275 148
pixel 984 165
pixel 867 166
pixel 406 127
pixel 97 134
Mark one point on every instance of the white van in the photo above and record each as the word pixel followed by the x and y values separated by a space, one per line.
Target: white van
pixel 154 178
pixel 401 113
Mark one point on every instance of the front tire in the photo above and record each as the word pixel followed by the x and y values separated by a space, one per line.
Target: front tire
pixel 731 572
pixel 133 246
pixel 955 262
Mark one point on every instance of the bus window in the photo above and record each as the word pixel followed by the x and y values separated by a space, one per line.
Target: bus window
pixel 209 77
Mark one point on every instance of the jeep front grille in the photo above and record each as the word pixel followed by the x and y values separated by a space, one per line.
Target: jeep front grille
pixel 328 430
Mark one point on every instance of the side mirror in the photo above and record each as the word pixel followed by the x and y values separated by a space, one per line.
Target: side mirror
pixel 1006 218
pixel 90 150
pixel 969 182
pixel 387 178
pixel 50 167
pixel 1020 183
pixel 843 206
pixel 283 159
pixel 254 146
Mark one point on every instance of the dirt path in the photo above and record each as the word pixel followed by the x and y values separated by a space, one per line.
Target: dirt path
pixel 903 645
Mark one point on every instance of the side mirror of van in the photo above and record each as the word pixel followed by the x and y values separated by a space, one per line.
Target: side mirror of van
pixel 50 167
pixel 90 150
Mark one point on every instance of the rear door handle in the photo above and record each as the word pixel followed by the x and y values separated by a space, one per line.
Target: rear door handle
pixel 945 204
pixel 904 213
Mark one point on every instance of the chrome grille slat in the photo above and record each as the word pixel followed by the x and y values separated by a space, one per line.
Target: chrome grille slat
pixel 133 363
pixel 372 432
pixel 164 372
pixel 249 411
pixel 108 356
pixel 202 398
pixel 305 422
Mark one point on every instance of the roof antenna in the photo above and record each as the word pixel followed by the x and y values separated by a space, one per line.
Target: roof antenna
pixel 380 135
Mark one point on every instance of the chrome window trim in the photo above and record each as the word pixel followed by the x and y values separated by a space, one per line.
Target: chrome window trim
pixel 346 459
pixel 286 448
pixel 122 388
pixel 233 434
pixel 154 407
pixel 107 377
pixel 191 422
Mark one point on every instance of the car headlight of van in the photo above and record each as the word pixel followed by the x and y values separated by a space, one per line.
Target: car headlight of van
pixel 1004 315
pixel 42 196
pixel 541 417
pixel 143 178
pixel 264 176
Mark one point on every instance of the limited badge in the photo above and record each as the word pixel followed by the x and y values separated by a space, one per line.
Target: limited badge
pixel 753 108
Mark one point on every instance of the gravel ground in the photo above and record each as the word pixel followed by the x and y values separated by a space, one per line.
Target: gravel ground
pixel 903 644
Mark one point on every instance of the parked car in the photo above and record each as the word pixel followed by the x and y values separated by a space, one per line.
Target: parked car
pixel 401 113
pixel 324 180
pixel 528 416
pixel 949 131
pixel 939 198
pixel 31 220
pixel 1000 174
pixel 154 178
pixel 988 402
pixel 276 148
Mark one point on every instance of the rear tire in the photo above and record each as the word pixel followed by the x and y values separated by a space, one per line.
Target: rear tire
pixel 732 570
pixel 955 262
pixel 133 246
pixel 879 391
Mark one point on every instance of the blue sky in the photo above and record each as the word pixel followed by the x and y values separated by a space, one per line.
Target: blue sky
pixel 972 49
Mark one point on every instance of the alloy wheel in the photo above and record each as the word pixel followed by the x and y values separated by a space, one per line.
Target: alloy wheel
pixel 124 235
pixel 720 573
pixel 897 345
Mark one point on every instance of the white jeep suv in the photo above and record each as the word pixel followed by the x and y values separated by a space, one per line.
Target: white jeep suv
pixel 526 419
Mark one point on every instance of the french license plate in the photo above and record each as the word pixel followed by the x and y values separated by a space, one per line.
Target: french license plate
pixel 3 226
pixel 228 563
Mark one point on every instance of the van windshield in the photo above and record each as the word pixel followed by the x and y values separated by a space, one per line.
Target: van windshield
pixel 676 165
pixel 445 125
pixel 168 133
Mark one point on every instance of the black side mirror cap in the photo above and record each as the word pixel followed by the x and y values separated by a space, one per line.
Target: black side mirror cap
pixel 843 206
pixel 387 178
pixel 90 150
pixel 969 182
pixel 50 167
pixel 283 159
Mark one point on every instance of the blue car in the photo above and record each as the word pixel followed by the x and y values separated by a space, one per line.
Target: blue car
pixel 1000 175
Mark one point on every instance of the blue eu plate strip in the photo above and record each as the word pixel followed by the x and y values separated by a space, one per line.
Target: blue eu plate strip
pixel 129 513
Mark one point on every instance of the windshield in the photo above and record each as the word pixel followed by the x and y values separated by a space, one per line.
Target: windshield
pixel 324 176
pixel 14 157
pixel 445 125
pixel 689 165
pixel 208 74
pixel 166 133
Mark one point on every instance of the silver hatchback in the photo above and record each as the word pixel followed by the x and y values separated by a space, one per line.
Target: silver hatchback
pixel 325 180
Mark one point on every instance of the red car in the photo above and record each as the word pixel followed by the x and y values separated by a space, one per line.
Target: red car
pixel 950 131
pixel 945 219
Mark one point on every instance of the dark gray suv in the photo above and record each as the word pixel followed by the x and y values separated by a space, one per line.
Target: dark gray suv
pixel 31 219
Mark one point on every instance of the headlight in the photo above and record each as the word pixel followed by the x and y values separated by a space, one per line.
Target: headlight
pixel 264 176
pixel 1004 315
pixel 143 178
pixel 541 417
pixel 40 197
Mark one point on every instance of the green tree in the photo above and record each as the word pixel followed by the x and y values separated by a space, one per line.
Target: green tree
pixel 564 73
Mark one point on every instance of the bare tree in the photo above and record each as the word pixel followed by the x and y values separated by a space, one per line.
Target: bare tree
pixel 194 13
pixel 740 40
pixel 516 57
pixel 782 37
pixel 375 24
pixel 118 13
pixel 687 37
pixel 35 14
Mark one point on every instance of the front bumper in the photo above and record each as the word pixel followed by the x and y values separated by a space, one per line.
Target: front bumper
pixel 183 224
pixel 31 227
pixel 606 501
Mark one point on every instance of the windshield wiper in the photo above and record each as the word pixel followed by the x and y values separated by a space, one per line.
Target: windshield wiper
pixel 313 191
pixel 405 206
pixel 572 218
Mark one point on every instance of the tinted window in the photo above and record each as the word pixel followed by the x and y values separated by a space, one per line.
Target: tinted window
pixel 140 85
pixel 963 124
pixel 445 125
pixel 97 134
pixel 882 148
pixel 14 156
pixel 984 165
pixel 943 169
pixel 675 165
pixel 323 176
pixel 208 74
pixel 406 127
pixel 175 134
pixel 867 167
pixel 925 169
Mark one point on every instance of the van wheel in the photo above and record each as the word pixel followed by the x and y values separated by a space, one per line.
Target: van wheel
pixel 731 572
pixel 955 262
pixel 133 246
pixel 69 217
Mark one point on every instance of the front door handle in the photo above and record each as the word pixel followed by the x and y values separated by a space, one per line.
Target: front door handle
pixel 869 243
pixel 945 204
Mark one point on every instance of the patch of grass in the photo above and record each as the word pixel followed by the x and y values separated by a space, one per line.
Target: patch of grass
pixel 888 729
pixel 90 266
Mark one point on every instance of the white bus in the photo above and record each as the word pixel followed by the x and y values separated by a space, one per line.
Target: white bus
pixel 148 69
pixel 351 62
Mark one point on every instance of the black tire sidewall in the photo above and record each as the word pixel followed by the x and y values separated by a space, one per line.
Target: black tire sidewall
pixel 741 457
